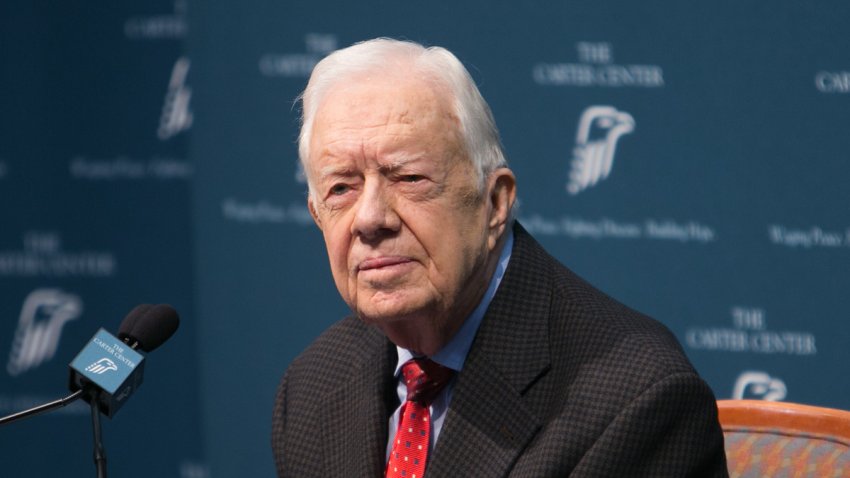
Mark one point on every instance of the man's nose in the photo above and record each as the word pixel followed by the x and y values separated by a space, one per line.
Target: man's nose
pixel 375 216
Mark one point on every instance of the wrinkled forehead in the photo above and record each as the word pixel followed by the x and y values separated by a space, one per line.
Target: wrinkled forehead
pixel 399 104
pixel 397 93
pixel 398 65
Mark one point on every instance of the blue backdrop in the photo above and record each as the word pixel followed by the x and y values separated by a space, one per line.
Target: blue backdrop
pixel 691 160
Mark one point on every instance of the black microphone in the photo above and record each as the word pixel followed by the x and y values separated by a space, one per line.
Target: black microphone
pixel 148 326
pixel 111 369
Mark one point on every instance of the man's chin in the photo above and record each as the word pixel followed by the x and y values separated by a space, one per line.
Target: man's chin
pixel 395 315
pixel 385 317
pixel 391 304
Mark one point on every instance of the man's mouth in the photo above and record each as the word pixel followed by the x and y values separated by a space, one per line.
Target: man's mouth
pixel 381 262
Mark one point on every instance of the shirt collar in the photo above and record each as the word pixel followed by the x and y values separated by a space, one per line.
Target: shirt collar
pixel 453 354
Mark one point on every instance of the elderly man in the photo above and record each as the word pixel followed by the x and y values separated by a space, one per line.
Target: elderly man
pixel 471 352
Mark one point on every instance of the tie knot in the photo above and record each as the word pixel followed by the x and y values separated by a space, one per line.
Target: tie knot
pixel 424 379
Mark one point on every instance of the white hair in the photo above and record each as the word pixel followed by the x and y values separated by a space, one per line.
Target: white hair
pixel 477 126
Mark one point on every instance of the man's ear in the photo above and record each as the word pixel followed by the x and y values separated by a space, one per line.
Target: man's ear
pixel 312 208
pixel 501 189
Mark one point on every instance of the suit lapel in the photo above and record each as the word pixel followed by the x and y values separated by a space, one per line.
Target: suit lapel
pixel 356 441
pixel 489 422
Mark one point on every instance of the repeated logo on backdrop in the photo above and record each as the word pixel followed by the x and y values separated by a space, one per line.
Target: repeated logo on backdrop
pixel 599 129
pixel 833 81
pixel 176 115
pixel 43 317
pixel 758 385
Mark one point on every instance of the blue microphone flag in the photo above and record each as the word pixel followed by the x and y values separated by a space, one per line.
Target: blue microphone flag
pixel 111 366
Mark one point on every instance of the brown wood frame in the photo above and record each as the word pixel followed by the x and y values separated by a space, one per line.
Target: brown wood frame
pixel 790 417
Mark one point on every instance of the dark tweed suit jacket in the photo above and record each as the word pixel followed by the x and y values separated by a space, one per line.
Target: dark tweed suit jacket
pixel 560 380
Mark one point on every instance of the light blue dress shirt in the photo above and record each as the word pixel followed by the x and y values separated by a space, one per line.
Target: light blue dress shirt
pixel 452 355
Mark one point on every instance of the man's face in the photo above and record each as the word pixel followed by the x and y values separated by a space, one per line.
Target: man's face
pixel 407 231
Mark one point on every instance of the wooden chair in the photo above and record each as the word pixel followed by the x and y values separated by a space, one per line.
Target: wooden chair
pixel 777 439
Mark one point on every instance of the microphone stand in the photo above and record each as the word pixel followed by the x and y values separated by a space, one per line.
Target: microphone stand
pixel 62 402
pixel 99 450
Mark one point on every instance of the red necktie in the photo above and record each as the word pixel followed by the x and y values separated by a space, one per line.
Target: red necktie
pixel 424 379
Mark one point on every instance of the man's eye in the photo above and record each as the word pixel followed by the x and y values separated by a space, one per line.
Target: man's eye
pixel 411 178
pixel 338 189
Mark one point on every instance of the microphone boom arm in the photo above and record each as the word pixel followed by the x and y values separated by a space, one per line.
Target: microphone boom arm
pixel 47 407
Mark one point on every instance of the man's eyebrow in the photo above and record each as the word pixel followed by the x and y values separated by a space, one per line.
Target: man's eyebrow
pixel 394 164
pixel 399 162
pixel 335 171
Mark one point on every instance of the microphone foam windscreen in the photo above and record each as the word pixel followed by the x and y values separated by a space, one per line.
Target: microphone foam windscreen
pixel 129 322
pixel 153 326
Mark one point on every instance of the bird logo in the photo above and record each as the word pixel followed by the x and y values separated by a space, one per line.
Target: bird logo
pixel 102 365
pixel 759 386
pixel 599 129
pixel 176 111
pixel 43 315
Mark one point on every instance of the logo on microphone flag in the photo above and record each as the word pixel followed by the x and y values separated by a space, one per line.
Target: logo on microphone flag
pixel 101 366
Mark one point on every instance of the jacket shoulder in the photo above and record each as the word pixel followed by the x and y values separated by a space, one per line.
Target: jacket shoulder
pixel 589 330
pixel 332 355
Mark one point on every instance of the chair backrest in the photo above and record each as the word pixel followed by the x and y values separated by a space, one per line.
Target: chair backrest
pixel 768 439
